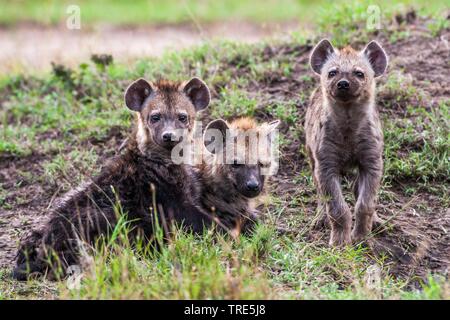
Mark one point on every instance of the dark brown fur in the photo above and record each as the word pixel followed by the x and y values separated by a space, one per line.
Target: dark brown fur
pixel 343 130
pixel 223 185
pixel 142 173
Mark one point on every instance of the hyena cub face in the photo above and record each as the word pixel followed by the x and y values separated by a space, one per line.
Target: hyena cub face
pixel 166 110
pixel 348 75
pixel 242 152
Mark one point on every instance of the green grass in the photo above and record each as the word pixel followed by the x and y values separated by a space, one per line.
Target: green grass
pixel 210 266
pixel 153 11
pixel 345 21
pixel 172 11
pixel 66 123
pixel 262 266
pixel 426 150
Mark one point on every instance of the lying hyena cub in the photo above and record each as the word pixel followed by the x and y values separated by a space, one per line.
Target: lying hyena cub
pixel 235 169
pixel 143 172
pixel 343 130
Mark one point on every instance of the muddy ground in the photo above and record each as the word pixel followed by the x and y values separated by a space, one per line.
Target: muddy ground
pixel 417 240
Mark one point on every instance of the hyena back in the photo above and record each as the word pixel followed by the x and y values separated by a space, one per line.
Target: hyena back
pixel 343 130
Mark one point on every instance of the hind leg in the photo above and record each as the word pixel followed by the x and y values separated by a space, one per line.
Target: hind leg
pixel 54 248
pixel 36 259
pixel 27 262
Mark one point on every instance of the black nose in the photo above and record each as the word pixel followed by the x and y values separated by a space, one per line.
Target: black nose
pixel 167 136
pixel 343 85
pixel 252 186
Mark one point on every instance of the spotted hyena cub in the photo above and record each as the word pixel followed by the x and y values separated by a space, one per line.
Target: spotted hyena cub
pixel 343 130
pixel 239 157
pixel 143 179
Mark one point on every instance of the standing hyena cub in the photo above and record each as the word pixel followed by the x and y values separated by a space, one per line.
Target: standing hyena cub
pixel 343 130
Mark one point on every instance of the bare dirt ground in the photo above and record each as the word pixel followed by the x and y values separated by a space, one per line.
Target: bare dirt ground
pixel 418 241
pixel 33 47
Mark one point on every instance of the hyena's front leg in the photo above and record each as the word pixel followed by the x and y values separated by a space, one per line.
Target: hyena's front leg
pixel 367 184
pixel 337 210
pixel 321 219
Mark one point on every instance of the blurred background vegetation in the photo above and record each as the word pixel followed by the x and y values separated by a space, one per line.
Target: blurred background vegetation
pixel 53 12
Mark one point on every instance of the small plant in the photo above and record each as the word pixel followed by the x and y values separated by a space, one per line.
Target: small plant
pixel 235 101
pixel 102 60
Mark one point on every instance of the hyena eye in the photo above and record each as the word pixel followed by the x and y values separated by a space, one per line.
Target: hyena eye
pixel 155 117
pixel 359 74
pixel 182 117
pixel 332 73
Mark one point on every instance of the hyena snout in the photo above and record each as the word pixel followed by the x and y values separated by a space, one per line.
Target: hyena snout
pixel 168 136
pixel 249 184
pixel 252 185
pixel 343 85
pixel 251 189
pixel 344 89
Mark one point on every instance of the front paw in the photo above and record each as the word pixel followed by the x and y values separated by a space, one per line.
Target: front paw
pixel 340 238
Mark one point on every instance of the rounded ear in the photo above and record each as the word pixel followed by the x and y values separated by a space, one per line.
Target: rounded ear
pixel 377 57
pixel 320 54
pixel 214 137
pixel 137 93
pixel 198 93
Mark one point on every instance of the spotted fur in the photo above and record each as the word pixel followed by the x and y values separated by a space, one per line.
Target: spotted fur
pixel 143 181
pixel 343 131
pixel 221 194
